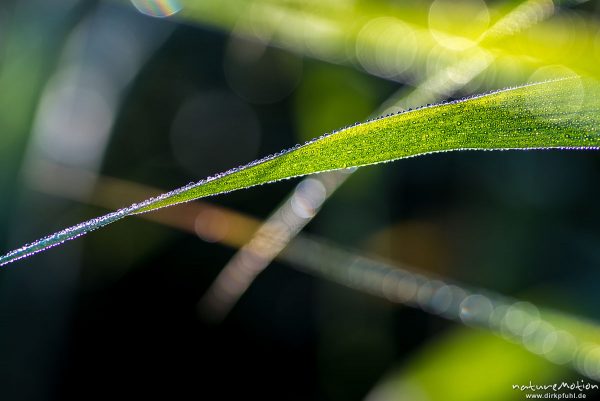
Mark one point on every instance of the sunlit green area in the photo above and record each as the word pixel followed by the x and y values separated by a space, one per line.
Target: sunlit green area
pixel 451 276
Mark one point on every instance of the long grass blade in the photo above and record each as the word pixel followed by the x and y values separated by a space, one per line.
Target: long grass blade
pixel 560 114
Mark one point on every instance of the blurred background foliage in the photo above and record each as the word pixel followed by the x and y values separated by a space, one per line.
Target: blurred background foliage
pixel 102 105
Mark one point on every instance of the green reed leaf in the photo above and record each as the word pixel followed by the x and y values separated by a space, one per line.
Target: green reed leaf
pixel 560 114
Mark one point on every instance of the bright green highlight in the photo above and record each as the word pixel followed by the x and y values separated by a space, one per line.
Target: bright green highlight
pixel 389 39
pixel 457 365
pixel 557 114
pixel 561 114
pixel 469 365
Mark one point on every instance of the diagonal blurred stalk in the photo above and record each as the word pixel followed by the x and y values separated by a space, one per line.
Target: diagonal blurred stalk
pixel 307 199
pixel 560 339
pixel 546 333
pixel 350 34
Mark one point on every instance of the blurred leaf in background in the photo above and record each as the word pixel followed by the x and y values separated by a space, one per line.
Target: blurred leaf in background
pixel 101 99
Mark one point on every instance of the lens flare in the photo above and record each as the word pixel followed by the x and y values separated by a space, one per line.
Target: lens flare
pixel 157 8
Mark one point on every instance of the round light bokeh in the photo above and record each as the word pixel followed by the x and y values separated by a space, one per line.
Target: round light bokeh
pixel 458 24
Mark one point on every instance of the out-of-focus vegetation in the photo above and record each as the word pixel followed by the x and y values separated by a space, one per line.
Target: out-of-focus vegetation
pixel 560 114
pixel 93 90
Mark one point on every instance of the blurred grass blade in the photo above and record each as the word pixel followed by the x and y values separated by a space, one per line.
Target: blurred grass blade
pixel 351 33
pixel 562 114
pixel 557 114
pixel 463 355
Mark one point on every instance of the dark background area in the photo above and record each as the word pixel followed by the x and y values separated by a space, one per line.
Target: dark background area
pixel 114 315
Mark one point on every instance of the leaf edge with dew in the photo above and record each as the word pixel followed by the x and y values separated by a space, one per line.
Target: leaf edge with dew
pixel 553 118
